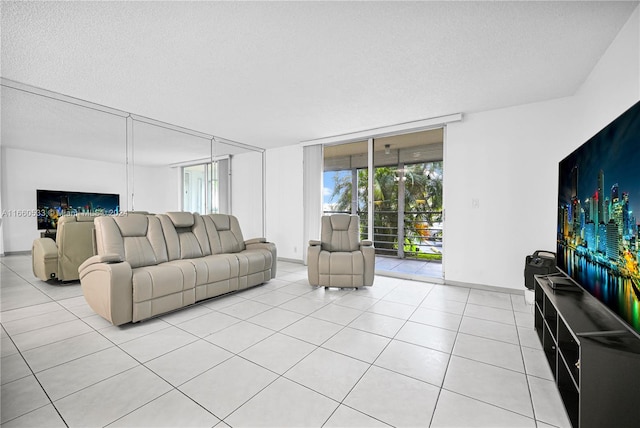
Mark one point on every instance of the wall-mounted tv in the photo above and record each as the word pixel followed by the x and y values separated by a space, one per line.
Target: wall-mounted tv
pixel 598 201
pixel 53 204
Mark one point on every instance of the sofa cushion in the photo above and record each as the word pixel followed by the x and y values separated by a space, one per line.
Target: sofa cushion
pixel 224 233
pixel 138 251
pixel 341 269
pixel 75 244
pixel 185 235
pixel 162 288
pixel 254 261
pixel 255 267
pixel 132 225
pixel 136 238
pixel 181 219
pixel 150 282
pixel 216 268
pixel 340 233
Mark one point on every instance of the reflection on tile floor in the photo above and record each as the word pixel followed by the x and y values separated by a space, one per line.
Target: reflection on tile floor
pixel 413 268
pixel 401 353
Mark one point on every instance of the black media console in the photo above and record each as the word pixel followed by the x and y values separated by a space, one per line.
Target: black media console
pixel 595 360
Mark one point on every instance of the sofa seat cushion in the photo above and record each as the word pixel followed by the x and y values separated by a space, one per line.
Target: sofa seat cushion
pixel 215 268
pixel 151 282
pixel 341 269
pixel 216 274
pixel 255 267
pixel 253 261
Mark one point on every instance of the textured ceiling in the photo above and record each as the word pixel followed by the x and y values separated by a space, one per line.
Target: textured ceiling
pixel 276 73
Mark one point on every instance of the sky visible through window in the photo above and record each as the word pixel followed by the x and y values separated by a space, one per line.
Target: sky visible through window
pixel 329 183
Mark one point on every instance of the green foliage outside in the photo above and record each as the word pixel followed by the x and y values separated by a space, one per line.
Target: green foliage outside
pixel 422 199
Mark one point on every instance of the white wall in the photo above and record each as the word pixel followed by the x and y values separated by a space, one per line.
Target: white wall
pixel 246 193
pixel 157 189
pixel 508 158
pixel 284 193
pixel 23 172
pixel 613 85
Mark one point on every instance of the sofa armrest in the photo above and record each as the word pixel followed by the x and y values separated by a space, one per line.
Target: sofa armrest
pixel 255 241
pixel 369 257
pixel 313 261
pixel 103 258
pixel 47 247
pixel 108 289
pixel 366 243
pixel 261 243
pixel 44 258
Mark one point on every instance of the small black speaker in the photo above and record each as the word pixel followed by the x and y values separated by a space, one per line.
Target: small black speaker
pixel 539 263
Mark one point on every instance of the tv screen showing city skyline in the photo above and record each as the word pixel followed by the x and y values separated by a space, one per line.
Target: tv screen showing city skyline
pixel 53 204
pixel 598 201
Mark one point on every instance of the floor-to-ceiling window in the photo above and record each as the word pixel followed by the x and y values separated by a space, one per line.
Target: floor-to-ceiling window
pixel 201 190
pixel 193 188
pixel 345 178
pixel 406 190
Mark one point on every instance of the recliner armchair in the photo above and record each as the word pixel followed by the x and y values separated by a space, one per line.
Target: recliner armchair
pixel 74 243
pixel 340 259
pixel 61 258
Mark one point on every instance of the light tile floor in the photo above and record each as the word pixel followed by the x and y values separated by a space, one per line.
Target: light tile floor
pixel 401 353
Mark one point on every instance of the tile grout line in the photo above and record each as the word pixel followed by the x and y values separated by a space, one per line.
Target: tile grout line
pixel 526 374
pixel 378 356
pixel 446 370
pixel 39 384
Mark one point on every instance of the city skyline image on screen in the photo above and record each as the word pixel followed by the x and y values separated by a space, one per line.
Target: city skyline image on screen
pixel 53 204
pixel 598 201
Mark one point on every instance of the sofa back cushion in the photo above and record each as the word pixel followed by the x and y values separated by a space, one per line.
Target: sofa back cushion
pixel 224 233
pixel 75 243
pixel 340 232
pixel 185 235
pixel 136 238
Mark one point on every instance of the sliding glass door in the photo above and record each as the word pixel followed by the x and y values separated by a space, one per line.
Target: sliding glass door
pixel 406 192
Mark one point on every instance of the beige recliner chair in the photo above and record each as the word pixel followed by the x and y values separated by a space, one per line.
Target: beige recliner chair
pixel 61 258
pixel 340 259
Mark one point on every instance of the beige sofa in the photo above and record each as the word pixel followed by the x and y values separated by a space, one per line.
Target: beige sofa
pixel 147 265
pixel 61 258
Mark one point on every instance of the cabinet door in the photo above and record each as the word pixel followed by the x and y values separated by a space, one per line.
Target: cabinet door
pixel 610 381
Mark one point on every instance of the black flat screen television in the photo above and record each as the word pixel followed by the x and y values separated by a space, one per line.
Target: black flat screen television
pixel 53 204
pixel 598 201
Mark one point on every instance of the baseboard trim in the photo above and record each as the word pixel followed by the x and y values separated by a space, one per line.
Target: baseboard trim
pixel 284 259
pixel 409 276
pixel 16 253
pixel 440 281
pixel 485 287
